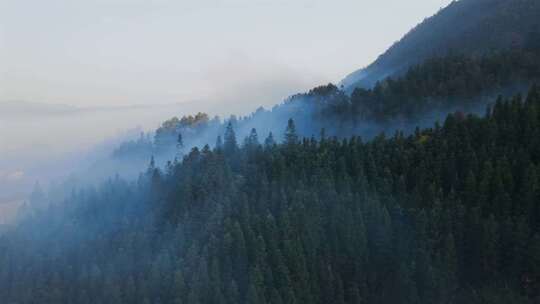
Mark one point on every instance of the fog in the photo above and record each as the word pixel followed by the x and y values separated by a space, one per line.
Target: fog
pixel 162 51
pixel 54 144
pixel 51 142
pixel 79 77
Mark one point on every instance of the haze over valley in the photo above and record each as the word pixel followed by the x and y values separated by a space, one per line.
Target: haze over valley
pixel 82 76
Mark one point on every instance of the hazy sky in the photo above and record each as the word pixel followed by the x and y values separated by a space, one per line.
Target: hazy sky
pixel 117 52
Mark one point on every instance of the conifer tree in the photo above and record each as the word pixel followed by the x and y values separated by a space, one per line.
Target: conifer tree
pixel 291 137
pixel 230 145
pixel 269 141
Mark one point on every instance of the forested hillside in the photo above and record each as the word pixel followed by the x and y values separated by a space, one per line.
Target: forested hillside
pixel 465 27
pixel 448 214
pixel 451 82
pixel 418 181
pixel 426 93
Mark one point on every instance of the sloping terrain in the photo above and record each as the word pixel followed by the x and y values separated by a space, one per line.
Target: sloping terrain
pixel 465 27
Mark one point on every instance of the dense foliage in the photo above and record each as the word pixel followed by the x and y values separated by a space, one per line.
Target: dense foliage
pixel 449 214
pixel 446 82
pixel 166 137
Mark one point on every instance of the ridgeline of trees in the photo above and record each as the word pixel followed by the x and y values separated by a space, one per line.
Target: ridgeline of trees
pixel 449 214
pixel 445 82
pixel 431 89
pixel 167 136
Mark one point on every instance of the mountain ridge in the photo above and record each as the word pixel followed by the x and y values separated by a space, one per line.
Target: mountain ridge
pixel 470 27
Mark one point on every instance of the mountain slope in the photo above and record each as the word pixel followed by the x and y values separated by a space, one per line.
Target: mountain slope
pixel 446 215
pixel 470 27
pixel 418 98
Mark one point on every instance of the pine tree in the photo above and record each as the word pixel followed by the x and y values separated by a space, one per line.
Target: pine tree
pixel 269 142
pixel 179 145
pixel 291 137
pixel 253 138
pixel 230 146
pixel 252 141
pixel 219 143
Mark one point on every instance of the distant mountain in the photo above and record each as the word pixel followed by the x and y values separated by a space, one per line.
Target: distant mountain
pixel 20 108
pixel 466 27
pixel 26 108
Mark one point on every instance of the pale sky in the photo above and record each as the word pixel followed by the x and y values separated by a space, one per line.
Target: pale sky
pixel 119 52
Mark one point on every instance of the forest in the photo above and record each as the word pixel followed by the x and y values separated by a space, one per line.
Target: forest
pixel 415 180
pixel 447 214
